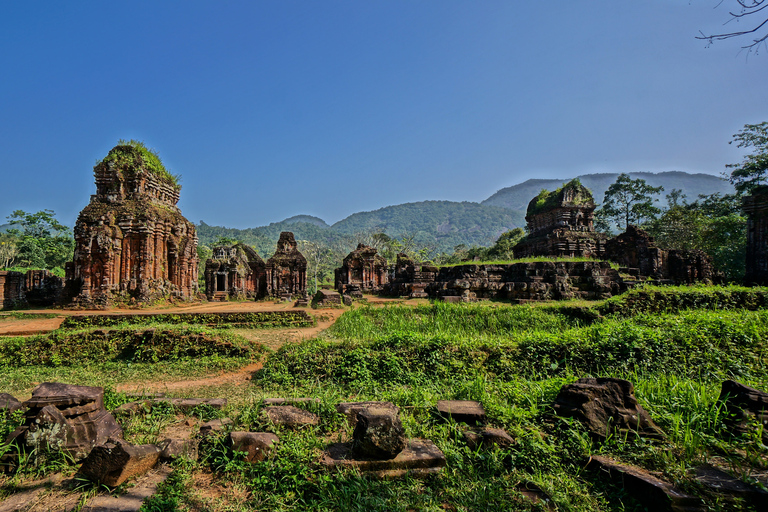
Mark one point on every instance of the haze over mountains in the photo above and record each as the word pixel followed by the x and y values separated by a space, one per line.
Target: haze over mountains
pixel 445 224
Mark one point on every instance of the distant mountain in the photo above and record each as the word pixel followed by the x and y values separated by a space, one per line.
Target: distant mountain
pixel 446 224
pixel 307 219
pixel 518 196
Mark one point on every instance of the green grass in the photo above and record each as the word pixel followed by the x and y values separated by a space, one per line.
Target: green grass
pixel 531 259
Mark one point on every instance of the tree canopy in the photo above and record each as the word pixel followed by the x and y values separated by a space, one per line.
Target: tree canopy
pixel 629 201
pixel 752 171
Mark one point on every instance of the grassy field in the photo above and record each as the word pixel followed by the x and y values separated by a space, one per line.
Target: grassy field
pixel 675 345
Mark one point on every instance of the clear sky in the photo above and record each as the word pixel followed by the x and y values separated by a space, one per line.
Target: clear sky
pixel 270 109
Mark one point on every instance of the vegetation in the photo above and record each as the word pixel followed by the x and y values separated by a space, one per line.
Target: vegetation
pixel 132 155
pixel 752 171
pixel 36 241
pixel 629 201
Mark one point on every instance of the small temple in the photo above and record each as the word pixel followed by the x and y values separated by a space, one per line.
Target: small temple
pixel 362 271
pixel 286 270
pixel 755 206
pixel 561 224
pixel 131 240
pixel 235 272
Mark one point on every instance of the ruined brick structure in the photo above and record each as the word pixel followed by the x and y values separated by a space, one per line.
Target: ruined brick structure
pixel 410 279
pixel 132 240
pixel 286 271
pixel 235 271
pixel 756 208
pixel 361 271
pixel 11 290
pixel 521 282
pixel 33 288
pixel 637 253
pixel 560 223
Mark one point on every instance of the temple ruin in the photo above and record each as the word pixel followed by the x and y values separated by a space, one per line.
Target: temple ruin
pixel 362 271
pixel 235 272
pixel 639 256
pixel 131 241
pixel 755 207
pixel 560 223
pixel 35 287
pixel 286 270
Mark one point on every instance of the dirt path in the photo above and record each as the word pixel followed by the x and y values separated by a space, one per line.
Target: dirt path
pixel 271 338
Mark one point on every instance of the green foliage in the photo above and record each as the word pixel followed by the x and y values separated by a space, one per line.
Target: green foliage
pixel 629 201
pixel 547 200
pixel 252 319
pixel 40 240
pixel 752 171
pixel 133 155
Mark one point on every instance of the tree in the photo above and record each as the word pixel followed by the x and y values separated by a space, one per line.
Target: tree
pixel 502 249
pixel 629 201
pixel 745 10
pixel 752 171
pixel 42 241
pixel 8 250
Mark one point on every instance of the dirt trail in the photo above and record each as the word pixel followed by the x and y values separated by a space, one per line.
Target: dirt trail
pixel 272 338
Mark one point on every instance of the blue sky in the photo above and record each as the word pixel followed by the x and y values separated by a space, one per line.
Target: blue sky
pixel 270 109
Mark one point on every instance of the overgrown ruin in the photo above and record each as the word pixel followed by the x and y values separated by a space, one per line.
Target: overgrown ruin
pixel 561 223
pixel 234 272
pixel 286 270
pixel 33 288
pixel 755 206
pixel 132 241
pixel 362 271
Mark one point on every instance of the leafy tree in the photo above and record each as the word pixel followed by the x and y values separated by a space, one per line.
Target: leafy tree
pixel 502 249
pixel 8 250
pixel 629 201
pixel 42 241
pixel 752 171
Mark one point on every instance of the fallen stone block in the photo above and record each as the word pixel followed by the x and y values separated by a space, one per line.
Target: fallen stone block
pixel 470 412
pixel 535 495
pixel 212 426
pixel 652 492
pixel 256 445
pixel 378 434
pixel 744 407
pixel 350 409
pixel 290 416
pixel 720 482
pixel 133 499
pixel 418 455
pixel 488 438
pixel 326 299
pixel 605 404
pixel 8 404
pixel 175 448
pixel 115 461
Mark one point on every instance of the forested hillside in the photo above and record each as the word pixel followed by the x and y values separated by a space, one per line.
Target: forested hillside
pixel 518 196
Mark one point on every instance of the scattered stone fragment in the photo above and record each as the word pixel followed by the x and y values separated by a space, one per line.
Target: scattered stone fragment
pixel 175 448
pixel 744 406
pixel 652 492
pixel 256 445
pixel 470 412
pixel 488 438
pixel 326 299
pixel 419 455
pixel 212 426
pixel 187 404
pixel 290 401
pixel 721 482
pixel 67 417
pixel 604 403
pixel 115 461
pixel 378 434
pixel 350 409
pixel 8 403
pixel 132 500
pixel 534 494
pixel 347 299
pixel 290 416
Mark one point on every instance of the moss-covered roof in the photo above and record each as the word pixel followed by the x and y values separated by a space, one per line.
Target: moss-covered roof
pixel 133 156
pixel 572 193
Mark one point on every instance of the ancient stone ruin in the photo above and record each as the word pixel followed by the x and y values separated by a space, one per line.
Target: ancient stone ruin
pixel 755 207
pixel 235 272
pixel 410 279
pixel 362 271
pixel 132 240
pixel 637 253
pixel 33 288
pixel 560 223
pixel 286 270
